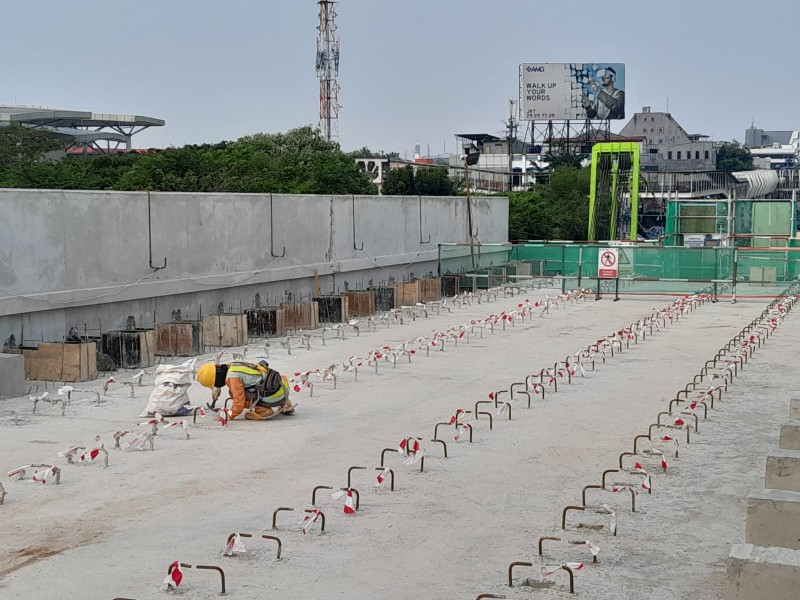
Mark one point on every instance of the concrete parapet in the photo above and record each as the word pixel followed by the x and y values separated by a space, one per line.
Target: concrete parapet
pixel 783 470
pixel 12 375
pixel 758 573
pixel 773 518
pixel 790 435
pixel 794 408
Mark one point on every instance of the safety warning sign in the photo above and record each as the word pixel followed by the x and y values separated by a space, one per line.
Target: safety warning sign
pixel 608 263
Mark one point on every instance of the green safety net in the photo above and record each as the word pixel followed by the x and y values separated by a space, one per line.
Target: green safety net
pixel 643 268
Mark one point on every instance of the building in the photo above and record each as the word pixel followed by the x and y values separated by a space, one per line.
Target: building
pixel 758 138
pixel 99 132
pixel 667 146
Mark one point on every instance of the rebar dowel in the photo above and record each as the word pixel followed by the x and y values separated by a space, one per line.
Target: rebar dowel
pixel 606 472
pixel 218 570
pixel 564 514
pixel 275 515
pixel 478 403
pixel 277 539
pixel 511 569
pixel 314 493
pixel 436 429
pixel 444 446
pixel 350 472
pixel 384 451
pixel 633 499
pixel 546 537
pixel 391 477
pixel 511 388
pixel 244 535
pixel 480 596
pixel 636 441
pixel 589 487
pixel 322 515
pixel 571 578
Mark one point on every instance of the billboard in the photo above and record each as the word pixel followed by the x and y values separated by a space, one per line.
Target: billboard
pixel 571 91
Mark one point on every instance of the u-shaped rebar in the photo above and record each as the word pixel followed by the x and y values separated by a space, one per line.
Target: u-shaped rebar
pixel 511 570
pixel 564 514
pixel 384 451
pixel 276 539
pixel 546 537
pixel 391 477
pixel 275 515
pixel 218 570
pixel 350 472
pixel 444 446
pixel 314 493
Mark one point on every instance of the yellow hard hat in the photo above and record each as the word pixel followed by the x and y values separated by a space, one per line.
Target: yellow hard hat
pixel 207 375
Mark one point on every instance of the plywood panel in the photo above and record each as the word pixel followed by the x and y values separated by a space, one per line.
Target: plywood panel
pixel 224 330
pixel 300 315
pixel 360 304
pixel 181 338
pixel 61 362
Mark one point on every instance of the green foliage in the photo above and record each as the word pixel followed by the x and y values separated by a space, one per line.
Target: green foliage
pixel 732 157
pixel 556 210
pixel 24 144
pixel 424 181
pixel 563 161
pixel 296 162
pixel 365 152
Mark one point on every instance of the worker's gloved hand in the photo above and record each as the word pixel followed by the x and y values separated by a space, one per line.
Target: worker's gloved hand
pixel 215 393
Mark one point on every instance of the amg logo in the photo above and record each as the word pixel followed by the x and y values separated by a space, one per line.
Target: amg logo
pixel 535 69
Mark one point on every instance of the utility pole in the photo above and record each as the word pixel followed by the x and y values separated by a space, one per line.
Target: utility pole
pixel 328 70
pixel 511 136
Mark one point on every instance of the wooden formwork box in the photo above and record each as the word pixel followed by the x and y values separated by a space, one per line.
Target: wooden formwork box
pixel 133 349
pixel 332 309
pixel 360 303
pixel 71 362
pixel 300 315
pixel 225 330
pixel 430 290
pixel 266 321
pixel 179 338
pixel 406 293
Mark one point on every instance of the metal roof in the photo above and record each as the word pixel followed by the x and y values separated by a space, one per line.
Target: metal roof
pixel 55 117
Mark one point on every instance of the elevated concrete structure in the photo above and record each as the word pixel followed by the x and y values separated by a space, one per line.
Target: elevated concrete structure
pixel 762 573
pixel 90 259
pixel 783 470
pixel 773 518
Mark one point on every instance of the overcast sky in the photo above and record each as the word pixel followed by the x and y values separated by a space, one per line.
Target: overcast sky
pixel 411 72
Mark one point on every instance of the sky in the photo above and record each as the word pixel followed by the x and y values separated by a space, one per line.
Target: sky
pixel 411 71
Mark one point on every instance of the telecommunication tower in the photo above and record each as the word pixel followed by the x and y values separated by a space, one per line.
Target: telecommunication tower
pixel 328 70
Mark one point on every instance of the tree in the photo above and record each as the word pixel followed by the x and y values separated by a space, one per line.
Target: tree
pixel 25 144
pixel 296 162
pixel 419 181
pixel 556 210
pixel 563 161
pixel 731 157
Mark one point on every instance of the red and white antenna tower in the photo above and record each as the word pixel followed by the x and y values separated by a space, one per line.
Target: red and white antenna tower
pixel 328 70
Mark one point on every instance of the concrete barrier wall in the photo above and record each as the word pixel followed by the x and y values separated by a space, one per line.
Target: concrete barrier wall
pixel 73 258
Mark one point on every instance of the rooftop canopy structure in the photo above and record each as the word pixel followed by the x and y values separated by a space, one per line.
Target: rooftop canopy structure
pixel 99 131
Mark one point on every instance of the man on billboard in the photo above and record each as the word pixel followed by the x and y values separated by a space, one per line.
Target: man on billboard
pixel 609 102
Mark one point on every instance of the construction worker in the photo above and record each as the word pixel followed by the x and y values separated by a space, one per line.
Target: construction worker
pixel 264 389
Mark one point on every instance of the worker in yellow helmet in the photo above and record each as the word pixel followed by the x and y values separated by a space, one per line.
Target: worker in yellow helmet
pixel 264 389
